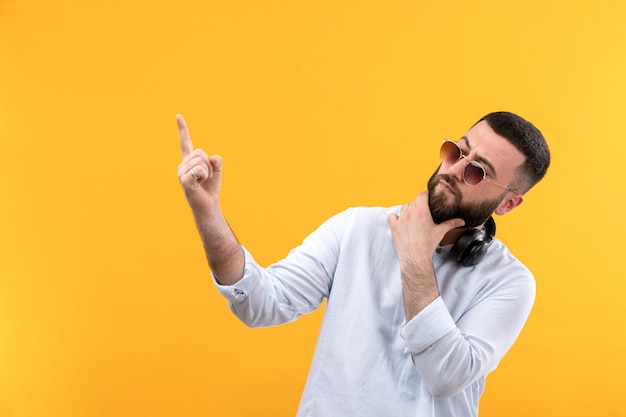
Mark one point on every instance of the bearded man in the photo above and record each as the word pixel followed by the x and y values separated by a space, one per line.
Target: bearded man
pixel 422 300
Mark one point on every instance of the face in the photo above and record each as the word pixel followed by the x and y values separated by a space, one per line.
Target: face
pixel 450 197
pixel 442 209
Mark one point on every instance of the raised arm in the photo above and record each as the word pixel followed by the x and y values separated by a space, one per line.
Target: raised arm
pixel 200 176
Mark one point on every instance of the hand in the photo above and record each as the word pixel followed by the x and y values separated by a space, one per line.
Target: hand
pixel 199 174
pixel 416 237
pixel 414 233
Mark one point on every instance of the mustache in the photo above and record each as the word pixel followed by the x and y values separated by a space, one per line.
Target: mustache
pixel 452 182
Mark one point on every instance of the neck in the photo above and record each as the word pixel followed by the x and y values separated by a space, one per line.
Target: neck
pixel 453 235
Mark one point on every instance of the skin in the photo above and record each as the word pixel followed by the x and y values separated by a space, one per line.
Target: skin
pixel 223 251
pixel 416 236
pixel 414 233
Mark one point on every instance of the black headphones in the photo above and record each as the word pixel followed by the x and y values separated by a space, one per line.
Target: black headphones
pixel 473 244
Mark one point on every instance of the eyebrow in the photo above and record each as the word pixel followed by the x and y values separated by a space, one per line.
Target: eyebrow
pixel 480 158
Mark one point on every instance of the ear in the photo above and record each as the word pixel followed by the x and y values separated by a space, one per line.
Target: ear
pixel 511 201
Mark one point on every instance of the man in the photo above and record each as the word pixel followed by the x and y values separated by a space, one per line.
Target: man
pixel 422 301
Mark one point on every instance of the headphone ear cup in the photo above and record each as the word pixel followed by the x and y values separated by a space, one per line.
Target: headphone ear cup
pixel 473 244
pixel 469 249
pixel 475 253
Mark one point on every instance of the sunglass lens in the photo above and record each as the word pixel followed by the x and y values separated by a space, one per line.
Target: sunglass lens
pixel 449 152
pixel 474 173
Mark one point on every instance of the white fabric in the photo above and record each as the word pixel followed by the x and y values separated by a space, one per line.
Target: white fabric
pixel 368 361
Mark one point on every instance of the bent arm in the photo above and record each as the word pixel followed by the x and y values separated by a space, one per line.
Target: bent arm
pixel 293 286
pixel 221 248
pixel 415 238
pixel 200 176
pixel 451 356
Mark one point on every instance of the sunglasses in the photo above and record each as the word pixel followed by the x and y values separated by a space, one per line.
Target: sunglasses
pixel 474 172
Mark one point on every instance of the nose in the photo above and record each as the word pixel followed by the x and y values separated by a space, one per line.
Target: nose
pixel 456 169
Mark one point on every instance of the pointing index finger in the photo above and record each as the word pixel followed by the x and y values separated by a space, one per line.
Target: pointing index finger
pixel 186 146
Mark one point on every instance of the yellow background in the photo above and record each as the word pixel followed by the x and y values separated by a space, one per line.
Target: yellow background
pixel 106 307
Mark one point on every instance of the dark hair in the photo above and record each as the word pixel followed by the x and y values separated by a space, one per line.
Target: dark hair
pixel 528 140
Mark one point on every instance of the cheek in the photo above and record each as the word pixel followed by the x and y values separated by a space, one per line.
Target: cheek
pixel 437 171
pixel 432 177
pixel 480 194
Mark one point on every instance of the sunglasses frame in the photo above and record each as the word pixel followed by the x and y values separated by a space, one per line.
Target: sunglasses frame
pixel 475 164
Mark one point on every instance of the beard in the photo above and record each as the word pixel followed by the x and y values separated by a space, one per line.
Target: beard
pixel 474 214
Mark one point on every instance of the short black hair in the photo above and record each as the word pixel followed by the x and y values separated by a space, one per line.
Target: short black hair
pixel 528 140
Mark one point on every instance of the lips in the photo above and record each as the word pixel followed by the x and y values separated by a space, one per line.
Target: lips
pixel 446 187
